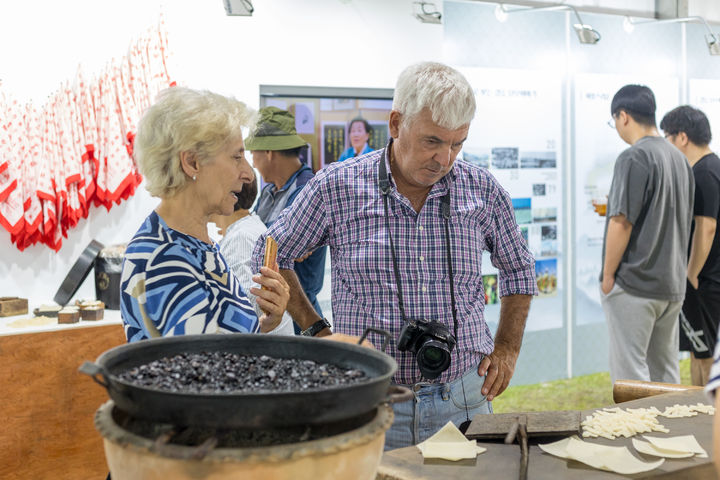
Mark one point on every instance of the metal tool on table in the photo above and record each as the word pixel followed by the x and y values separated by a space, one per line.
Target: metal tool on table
pixel 522 426
pixel 519 430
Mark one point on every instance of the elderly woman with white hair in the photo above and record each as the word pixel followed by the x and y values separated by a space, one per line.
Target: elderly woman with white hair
pixel 189 147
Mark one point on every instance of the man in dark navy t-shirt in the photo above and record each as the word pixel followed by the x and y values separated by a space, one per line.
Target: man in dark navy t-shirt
pixel 689 130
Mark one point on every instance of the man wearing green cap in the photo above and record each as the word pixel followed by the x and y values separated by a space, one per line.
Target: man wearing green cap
pixel 276 147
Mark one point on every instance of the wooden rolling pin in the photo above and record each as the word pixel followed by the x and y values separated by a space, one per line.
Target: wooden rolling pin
pixel 626 390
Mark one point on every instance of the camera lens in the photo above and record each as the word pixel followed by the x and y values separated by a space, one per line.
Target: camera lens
pixel 433 358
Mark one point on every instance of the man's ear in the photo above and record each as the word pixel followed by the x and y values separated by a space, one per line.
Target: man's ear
pixel 682 139
pixel 624 117
pixel 189 164
pixel 394 123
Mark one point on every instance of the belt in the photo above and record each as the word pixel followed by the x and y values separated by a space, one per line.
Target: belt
pixel 445 387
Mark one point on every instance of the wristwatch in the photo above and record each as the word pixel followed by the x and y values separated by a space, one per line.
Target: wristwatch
pixel 316 327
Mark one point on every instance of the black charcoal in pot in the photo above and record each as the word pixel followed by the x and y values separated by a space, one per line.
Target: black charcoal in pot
pixel 223 372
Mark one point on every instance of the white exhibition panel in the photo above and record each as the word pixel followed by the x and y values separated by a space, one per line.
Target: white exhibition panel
pixel 517 135
pixel 705 95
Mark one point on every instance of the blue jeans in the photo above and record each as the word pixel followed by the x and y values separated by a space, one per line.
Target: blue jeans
pixel 433 405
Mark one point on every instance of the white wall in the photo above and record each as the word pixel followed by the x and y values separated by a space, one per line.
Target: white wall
pixel 357 43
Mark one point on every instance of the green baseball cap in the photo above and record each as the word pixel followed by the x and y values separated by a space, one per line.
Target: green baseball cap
pixel 275 130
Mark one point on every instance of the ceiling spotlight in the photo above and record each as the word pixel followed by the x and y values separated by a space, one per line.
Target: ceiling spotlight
pixel 628 25
pixel 711 39
pixel 585 33
pixel 713 43
pixel 500 13
pixel 243 8
pixel 426 12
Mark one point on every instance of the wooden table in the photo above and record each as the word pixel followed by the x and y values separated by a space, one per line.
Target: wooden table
pixel 47 407
pixel 503 461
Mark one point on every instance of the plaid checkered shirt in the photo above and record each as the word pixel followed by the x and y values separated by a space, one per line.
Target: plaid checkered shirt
pixel 342 207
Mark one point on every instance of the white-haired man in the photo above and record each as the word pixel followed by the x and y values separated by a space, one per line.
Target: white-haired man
pixel 389 217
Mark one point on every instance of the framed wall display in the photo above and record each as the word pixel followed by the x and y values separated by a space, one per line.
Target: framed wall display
pixel 323 115
pixel 332 139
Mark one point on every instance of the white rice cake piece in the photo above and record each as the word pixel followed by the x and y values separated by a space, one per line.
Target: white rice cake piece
pixel 450 444
pixel 450 451
pixel 613 459
pixel 650 449
pixel 703 408
pixel 611 423
pixel 558 449
pixel 678 411
pixel 682 443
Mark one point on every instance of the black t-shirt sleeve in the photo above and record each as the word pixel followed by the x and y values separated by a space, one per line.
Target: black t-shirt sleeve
pixel 707 194
pixel 629 187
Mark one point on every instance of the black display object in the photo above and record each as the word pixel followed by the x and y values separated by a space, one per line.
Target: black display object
pixel 78 273
pixel 108 271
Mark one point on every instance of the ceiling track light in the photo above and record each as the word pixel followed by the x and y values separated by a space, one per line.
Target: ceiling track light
pixel 426 12
pixel 585 33
pixel 712 40
pixel 628 25
pixel 242 8
pixel 500 13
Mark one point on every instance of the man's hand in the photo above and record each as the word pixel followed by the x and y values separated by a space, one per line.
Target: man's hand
pixel 305 256
pixel 608 283
pixel 617 238
pixel 499 367
pixel 700 246
pixel 600 206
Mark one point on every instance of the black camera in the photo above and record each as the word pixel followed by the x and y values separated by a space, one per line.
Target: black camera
pixel 431 342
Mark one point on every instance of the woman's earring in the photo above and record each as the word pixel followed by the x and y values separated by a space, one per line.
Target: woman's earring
pixel 194 177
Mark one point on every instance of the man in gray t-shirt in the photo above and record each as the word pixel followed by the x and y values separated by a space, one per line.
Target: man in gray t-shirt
pixel 645 246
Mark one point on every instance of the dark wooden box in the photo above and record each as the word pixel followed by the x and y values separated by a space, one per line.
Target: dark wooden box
pixel 10 306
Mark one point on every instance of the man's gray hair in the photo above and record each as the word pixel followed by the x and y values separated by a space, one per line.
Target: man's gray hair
pixel 442 89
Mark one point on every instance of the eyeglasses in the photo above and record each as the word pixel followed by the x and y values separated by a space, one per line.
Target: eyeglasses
pixel 611 123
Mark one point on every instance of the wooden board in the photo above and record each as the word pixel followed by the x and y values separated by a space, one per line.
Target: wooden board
pixel 47 406
pixel 503 461
pixel 565 422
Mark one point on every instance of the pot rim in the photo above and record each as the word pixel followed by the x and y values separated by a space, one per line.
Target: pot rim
pixel 103 359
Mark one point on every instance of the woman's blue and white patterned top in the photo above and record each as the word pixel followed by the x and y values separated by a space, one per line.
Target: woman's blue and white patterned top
pixel 175 284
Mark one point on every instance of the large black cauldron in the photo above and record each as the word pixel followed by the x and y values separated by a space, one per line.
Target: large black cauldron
pixel 248 409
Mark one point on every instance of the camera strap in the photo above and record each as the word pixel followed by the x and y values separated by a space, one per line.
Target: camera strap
pixel 384 185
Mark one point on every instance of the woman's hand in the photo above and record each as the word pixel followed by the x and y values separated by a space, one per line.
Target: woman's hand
pixel 272 299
